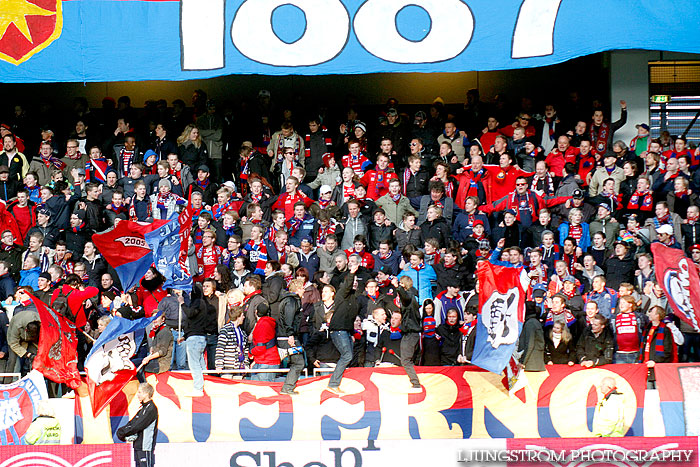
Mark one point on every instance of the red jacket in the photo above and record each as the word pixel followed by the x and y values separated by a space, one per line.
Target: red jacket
pixel 286 202
pixel 149 300
pixel 367 258
pixel 8 222
pixel 555 160
pixel 468 185
pixel 377 183
pixel 586 165
pixel 536 203
pixel 76 299
pixel 487 139
pixel 25 217
pixel 503 181
pixel 264 342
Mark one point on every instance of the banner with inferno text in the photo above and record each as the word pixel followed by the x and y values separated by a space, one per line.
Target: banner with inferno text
pixel 456 402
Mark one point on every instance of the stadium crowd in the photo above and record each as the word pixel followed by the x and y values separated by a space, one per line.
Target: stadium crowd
pixel 348 242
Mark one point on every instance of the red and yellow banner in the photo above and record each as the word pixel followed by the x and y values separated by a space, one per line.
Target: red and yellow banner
pixel 456 402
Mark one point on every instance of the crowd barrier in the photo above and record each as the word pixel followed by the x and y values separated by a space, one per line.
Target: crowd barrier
pixel 519 452
pixel 455 403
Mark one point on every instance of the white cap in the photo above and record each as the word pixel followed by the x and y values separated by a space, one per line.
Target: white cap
pixel 325 189
pixel 666 229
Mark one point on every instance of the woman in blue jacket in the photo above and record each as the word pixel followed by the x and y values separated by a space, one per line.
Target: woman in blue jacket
pixel 575 229
pixel 423 276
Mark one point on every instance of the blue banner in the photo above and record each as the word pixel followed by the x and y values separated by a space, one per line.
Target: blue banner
pixel 113 40
pixel 166 244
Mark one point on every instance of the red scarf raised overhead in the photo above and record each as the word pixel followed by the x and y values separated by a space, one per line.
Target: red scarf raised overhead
pixel 642 201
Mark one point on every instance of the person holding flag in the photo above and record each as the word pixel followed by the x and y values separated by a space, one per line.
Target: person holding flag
pixel 97 167
pixel 502 295
pixel 108 365
pixel 76 293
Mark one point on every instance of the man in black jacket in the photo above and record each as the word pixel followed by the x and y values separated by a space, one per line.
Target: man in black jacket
pixel 201 318
pixel 410 328
pixel 142 430
pixel 288 332
pixel 342 326
pixel 596 344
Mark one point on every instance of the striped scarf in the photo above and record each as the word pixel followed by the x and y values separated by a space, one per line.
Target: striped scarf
pixel 326 139
pixel 245 170
pixel 407 174
pixel 132 210
pixel 658 342
pixel 544 184
pixel 659 221
pixel 642 201
pixel 271 231
pixel 566 314
pixel 53 161
pixel 218 210
pixel 123 209
pixel 294 223
pixel 323 232
pixel 127 157
pixel 467 327
pixel 429 326
pixel 96 170
pixel 257 255
pixel 240 342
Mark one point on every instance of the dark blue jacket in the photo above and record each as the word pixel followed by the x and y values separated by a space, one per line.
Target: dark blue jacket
pixel 7 286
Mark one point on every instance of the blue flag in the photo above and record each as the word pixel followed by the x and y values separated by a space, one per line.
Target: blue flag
pixel 108 365
pixel 502 293
pixel 168 244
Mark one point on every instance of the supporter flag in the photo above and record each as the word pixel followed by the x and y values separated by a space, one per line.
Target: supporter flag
pixel 501 312
pixel 514 378
pixel 57 357
pixel 19 406
pixel 108 365
pixel 678 277
pixel 125 249
pixel 168 244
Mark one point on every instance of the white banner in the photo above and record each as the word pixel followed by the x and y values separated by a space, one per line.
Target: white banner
pixel 409 453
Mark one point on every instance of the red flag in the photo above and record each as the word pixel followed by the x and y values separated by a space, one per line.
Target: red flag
pixel 125 249
pixel 678 277
pixel 102 395
pixel 185 220
pixel 57 357
pixel 502 292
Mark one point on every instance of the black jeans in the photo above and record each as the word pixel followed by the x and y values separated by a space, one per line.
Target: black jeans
pixel 212 340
